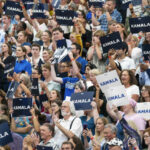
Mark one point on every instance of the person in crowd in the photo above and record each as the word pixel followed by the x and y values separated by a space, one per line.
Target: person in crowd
pixel 35 60
pixel 125 61
pixel 22 65
pixel 129 114
pixel 50 83
pixel 76 50
pixel 98 139
pixel 47 55
pixel 129 81
pixel 147 137
pixel 7 62
pixel 110 14
pixel 112 26
pixel 70 124
pixel 145 94
pixel 69 82
pixel 67 146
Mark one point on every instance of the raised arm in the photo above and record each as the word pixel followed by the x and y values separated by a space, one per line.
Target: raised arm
pixel 53 74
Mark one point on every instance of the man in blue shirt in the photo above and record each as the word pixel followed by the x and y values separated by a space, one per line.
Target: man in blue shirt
pixel 110 14
pixel 68 82
pixel 76 49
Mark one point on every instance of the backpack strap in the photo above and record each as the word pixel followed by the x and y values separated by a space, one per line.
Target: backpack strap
pixel 72 123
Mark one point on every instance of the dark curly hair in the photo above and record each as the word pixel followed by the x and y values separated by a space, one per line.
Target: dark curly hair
pixel 131 75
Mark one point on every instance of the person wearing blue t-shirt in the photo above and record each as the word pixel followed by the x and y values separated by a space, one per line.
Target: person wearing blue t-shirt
pixel 76 49
pixel 22 65
pixel 68 82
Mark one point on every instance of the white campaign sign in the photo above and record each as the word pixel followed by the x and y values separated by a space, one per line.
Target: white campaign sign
pixel 107 80
pixel 117 96
pixel 143 109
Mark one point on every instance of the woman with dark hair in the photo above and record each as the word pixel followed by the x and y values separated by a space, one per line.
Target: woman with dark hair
pixel 22 65
pixel 7 62
pixel 145 91
pixel 129 81
pixel 3 97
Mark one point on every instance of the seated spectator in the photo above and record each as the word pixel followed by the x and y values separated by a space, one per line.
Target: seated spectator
pixel 145 94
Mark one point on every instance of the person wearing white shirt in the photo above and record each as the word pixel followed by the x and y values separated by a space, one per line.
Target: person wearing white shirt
pixel 69 126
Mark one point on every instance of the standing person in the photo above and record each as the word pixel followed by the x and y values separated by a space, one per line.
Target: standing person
pixel 22 65
pixel 76 49
pixel 5 60
pixel 70 125
pixel 110 14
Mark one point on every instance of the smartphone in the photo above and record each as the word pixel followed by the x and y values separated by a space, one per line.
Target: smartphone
pixel 85 126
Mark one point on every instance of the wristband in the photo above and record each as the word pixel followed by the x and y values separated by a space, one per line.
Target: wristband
pixel 34 103
pixel 109 57
pixel 92 138
pixel 23 7
pixel 72 59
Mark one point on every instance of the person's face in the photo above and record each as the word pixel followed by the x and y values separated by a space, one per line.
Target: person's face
pixel 55 108
pixel 99 125
pixel 45 56
pixel 125 78
pixel 80 15
pixel 98 12
pixel 64 67
pixel 74 50
pixel 77 89
pixel 19 27
pixel 119 52
pixel 147 36
pixel 21 37
pixel 115 148
pixel 92 78
pixel 95 40
pixel 110 6
pixel 126 108
pixel 112 27
pixel 147 138
pixel 73 38
pixel 45 132
pixel 5 20
pixel 35 51
pixel 53 95
pixel 119 28
pixel 63 2
pixel 144 92
pixel 87 69
pixel 19 52
pixel 4 48
pixel 45 37
pixel 65 109
pixel 57 35
pixel 35 74
pixel 72 71
pixel 108 134
pixel 45 72
pixel 66 147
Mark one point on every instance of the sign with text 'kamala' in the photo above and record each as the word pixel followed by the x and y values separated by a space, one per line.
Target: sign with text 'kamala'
pixel 139 24
pixel 28 3
pixel 146 51
pixel 111 41
pixel 65 17
pixel 21 107
pixel 117 96
pixel 96 3
pixel 12 89
pixel 35 87
pixel 13 8
pixel 82 101
pixel 108 79
pixel 143 109
pixel 125 4
pixel 5 134
pixel 39 11
pixel 40 147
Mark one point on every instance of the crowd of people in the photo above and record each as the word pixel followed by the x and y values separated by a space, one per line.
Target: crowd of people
pixel 28 46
